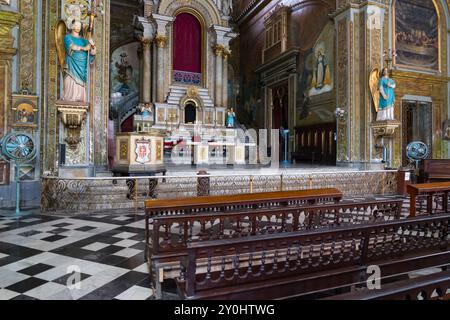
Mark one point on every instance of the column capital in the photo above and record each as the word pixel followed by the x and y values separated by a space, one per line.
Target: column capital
pixel 219 50
pixel 144 29
pixel 226 54
pixel 161 41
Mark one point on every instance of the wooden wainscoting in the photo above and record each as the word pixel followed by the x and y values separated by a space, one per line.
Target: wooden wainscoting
pixel 316 144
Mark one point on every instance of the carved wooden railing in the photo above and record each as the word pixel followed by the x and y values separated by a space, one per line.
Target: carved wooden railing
pixel 281 260
pixel 430 287
pixel 172 233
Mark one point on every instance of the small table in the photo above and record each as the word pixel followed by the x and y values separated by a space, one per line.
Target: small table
pixel 428 189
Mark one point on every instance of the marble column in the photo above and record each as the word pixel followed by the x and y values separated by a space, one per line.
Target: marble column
pixel 161 22
pixel 218 52
pixel 226 56
pixel 147 71
pixel 161 42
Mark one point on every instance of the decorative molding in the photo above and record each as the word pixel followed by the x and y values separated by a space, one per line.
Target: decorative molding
pixel 27 46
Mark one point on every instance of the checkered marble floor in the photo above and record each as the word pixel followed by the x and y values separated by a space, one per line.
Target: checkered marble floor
pixel 70 258
pixel 96 256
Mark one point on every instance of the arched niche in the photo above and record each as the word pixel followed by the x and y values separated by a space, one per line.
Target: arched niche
pixel 188 48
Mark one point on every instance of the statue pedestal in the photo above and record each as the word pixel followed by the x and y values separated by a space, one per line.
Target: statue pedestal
pixel 73 115
pixel 385 129
pixel 139 153
pixel 383 132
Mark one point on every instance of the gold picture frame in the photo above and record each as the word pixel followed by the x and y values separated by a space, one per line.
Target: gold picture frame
pixel 25 110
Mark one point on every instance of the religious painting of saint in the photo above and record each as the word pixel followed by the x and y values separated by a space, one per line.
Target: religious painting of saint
pixel 446 130
pixel 24 110
pixel 320 64
pixel 125 70
pixel 417 34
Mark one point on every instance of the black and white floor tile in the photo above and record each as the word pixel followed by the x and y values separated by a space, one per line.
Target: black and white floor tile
pixel 71 258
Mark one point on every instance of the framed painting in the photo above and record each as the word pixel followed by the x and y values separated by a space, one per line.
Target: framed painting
pixel 446 130
pixel 417 34
pixel 25 110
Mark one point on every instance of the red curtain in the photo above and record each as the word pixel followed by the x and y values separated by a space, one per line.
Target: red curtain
pixel 187 52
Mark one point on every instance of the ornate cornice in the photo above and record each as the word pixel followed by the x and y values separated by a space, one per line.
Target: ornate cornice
pixel 345 5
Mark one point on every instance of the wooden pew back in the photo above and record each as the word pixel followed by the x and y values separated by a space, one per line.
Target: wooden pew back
pixel 229 203
pixel 401 245
pixel 171 234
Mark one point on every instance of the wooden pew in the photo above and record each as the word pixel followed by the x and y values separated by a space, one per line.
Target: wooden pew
pixel 409 289
pixel 171 234
pixel 436 170
pixel 430 191
pixel 296 264
pixel 227 203
pixel 219 205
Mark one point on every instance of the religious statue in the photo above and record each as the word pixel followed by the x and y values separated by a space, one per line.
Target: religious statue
pixel 146 110
pixel 75 55
pixel 230 118
pixel 383 94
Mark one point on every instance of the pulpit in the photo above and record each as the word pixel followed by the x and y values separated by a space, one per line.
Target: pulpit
pixel 139 153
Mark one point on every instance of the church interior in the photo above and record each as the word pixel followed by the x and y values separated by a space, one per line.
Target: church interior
pixel 224 150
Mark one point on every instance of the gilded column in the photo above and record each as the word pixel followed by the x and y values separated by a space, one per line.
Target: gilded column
pixel 218 52
pixel 359 48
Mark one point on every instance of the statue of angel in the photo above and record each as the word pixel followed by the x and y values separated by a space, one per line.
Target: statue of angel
pixel 75 55
pixel 383 94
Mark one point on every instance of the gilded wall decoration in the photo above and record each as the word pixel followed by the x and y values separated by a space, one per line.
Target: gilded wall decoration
pixel 342 87
pixel 27 45
pixel 417 34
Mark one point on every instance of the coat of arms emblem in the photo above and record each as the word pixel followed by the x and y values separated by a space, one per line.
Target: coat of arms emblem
pixel 143 151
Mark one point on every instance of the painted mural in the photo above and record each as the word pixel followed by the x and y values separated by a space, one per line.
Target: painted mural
pixel 316 81
pixel 319 64
pixel 417 34
pixel 125 70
